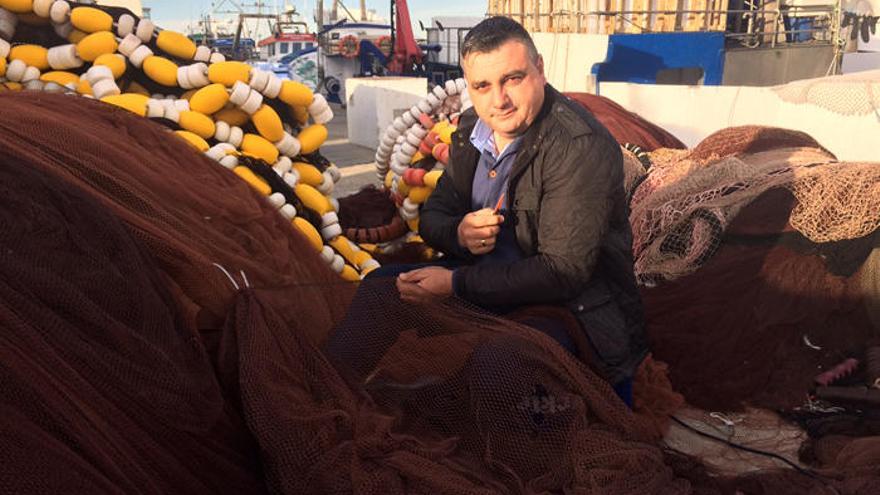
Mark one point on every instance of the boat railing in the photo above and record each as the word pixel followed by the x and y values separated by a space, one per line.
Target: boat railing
pixel 815 24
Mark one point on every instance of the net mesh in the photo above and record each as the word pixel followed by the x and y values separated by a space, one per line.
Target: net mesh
pixel 681 210
pixel 850 94
pixel 105 389
pixel 190 212
pixel 131 364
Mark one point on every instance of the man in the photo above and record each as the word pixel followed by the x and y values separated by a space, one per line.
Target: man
pixel 563 236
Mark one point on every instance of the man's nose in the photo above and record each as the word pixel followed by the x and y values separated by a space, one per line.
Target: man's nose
pixel 499 97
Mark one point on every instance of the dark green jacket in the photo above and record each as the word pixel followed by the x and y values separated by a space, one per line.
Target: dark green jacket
pixel 570 215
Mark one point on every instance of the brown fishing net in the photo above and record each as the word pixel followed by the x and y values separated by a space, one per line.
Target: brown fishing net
pixel 680 211
pixel 626 126
pixel 131 364
pixel 189 211
pixel 104 388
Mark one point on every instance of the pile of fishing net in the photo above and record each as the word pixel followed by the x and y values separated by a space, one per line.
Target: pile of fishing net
pixel 165 330
pixel 132 364
pixel 756 252
pixel 266 130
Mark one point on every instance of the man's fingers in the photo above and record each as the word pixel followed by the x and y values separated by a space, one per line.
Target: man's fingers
pixel 482 233
pixel 485 220
pixel 484 212
pixel 412 275
pixel 412 293
pixel 486 232
pixel 478 247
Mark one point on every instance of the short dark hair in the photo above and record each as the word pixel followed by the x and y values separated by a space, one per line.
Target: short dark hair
pixel 493 32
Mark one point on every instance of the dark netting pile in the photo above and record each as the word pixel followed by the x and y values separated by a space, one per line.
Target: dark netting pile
pixel 132 364
pixel 626 126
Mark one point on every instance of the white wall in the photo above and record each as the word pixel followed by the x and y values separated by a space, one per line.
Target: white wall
pixel 693 112
pixel 569 58
pixel 374 102
pixel 859 62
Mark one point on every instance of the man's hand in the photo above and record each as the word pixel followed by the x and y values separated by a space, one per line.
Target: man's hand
pixel 477 231
pixel 425 285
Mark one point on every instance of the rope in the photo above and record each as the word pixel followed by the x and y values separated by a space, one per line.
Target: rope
pixel 806 472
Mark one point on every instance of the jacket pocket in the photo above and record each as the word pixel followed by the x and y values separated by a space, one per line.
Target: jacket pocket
pixel 603 322
pixel 525 217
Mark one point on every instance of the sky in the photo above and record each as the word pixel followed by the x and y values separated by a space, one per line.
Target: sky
pixel 177 14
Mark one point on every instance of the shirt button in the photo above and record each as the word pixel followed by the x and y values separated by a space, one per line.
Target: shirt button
pixel 493 174
pixel 580 307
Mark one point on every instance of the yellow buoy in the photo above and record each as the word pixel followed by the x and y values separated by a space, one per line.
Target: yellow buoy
pixel 58 77
pixel 432 177
pixel 161 70
pixel 259 147
pixel 312 199
pixel 295 94
pixel 176 44
pixel 268 123
pixel 132 102
pixel 209 99
pixel 197 123
pixel 257 183
pixel 34 55
pixel 196 142
pixel 361 257
pixel 350 274
pixel 90 19
pixel 18 6
pixel 308 173
pixel 311 138
pixel 113 61
pixel 232 116
pixel 389 177
pixel 84 88
pixel 309 231
pixel 418 195
pixel 344 247
pixel 96 44
pixel 226 73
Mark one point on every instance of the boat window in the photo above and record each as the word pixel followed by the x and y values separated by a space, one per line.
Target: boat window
pixel 285 47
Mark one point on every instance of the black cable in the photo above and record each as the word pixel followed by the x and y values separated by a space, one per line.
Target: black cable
pixel 805 472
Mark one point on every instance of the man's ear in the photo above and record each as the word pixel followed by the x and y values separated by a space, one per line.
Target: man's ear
pixel 539 64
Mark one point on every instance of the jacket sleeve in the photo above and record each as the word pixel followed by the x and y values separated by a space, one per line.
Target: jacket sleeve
pixel 440 216
pixel 578 191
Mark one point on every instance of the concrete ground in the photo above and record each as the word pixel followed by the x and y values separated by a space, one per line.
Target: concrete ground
pixel 357 163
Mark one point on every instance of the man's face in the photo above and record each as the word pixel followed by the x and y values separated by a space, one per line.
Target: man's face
pixel 506 87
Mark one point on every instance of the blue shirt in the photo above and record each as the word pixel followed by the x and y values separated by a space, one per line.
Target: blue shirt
pixel 490 182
